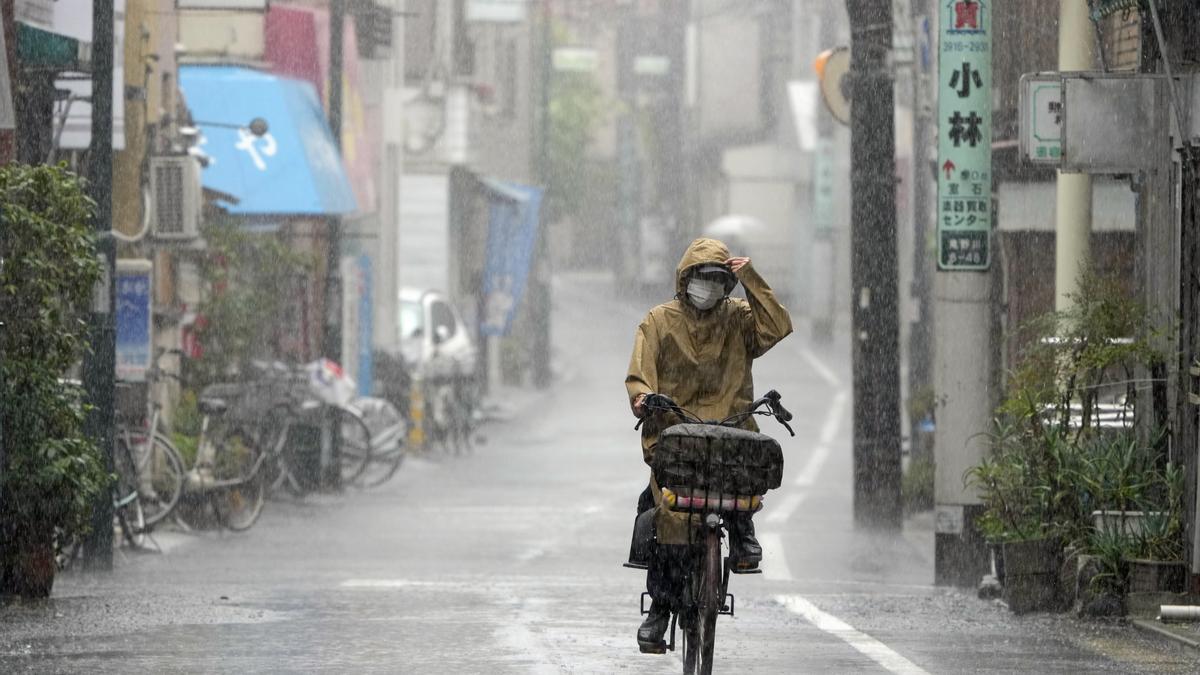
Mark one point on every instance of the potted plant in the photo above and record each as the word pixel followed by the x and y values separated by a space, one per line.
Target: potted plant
pixel 1022 490
pixel 1156 564
pixel 1064 448
pixel 50 473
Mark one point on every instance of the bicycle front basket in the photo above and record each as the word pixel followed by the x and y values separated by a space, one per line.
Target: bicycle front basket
pixel 724 459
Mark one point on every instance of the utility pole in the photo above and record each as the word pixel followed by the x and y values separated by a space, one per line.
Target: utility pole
pixel 823 259
pixel 962 285
pixel 333 285
pixel 332 347
pixel 99 364
pixel 539 291
pixel 921 335
pixel 1073 212
pixel 875 319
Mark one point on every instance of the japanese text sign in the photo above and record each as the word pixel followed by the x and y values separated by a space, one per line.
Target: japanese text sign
pixel 1041 118
pixel 964 212
pixel 134 319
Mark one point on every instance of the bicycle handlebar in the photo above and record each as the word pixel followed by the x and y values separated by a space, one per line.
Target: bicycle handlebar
pixel 663 403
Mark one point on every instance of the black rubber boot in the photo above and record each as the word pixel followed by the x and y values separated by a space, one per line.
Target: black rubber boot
pixel 650 634
pixel 745 549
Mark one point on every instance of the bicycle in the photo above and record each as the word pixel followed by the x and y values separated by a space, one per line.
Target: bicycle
pixel 225 475
pixel 296 419
pixel 451 412
pixel 129 515
pixel 156 463
pixel 710 471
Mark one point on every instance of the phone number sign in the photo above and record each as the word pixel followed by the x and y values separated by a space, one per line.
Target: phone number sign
pixel 964 206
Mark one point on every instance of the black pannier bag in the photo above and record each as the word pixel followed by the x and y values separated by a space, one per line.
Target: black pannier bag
pixel 724 459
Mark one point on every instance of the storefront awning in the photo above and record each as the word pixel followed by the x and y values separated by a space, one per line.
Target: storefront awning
pixel 293 169
pixel 41 49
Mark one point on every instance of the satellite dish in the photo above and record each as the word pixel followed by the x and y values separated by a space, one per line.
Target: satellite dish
pixel 832 66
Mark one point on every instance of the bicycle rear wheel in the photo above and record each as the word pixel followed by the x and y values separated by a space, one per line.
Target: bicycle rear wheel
pixel 238 472
pixel 275 434
pixel 127 503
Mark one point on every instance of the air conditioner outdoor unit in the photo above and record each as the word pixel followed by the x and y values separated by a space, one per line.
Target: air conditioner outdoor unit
pixel 176 196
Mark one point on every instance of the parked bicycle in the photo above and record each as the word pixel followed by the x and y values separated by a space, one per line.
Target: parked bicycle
pixel 156 467
pixel 304 431
pixel 711 471
pixel 452 413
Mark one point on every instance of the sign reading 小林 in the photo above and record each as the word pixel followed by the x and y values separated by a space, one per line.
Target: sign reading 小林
pixel 964 210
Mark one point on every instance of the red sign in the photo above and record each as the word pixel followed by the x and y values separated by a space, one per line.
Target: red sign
pixel 966 15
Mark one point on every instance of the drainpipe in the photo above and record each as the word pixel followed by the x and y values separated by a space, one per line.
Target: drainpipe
pixel 1073 213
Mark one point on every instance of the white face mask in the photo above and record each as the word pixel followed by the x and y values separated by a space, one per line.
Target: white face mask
pixel 705 294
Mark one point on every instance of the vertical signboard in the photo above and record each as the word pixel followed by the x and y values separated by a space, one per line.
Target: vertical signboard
pixel 964 135
pixel 822 186
pixel 357 324
pixel 134 336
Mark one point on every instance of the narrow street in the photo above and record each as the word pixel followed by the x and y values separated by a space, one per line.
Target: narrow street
pixel 509 560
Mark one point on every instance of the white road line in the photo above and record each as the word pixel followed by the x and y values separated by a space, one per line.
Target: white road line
pixel 820 454
pixel 808 476
pixel 774 562
pixel 865 644
pixel 823 370
pixel 833 420
pixel 783 512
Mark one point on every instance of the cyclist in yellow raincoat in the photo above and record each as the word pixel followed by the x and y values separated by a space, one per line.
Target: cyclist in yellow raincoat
pixel 698 349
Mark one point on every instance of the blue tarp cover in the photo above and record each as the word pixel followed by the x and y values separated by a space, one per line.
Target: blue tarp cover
pixel 294 169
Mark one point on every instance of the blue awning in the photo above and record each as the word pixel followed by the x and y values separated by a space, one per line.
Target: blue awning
pixel 293 169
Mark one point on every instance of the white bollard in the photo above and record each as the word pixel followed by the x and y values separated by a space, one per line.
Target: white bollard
pixel 1179 613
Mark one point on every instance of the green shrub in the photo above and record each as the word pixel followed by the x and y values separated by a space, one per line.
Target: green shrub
pixel 51 473
pixel 249 281
pixel 1051 462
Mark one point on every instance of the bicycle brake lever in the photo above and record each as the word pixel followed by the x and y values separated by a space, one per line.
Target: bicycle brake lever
pixel 786 426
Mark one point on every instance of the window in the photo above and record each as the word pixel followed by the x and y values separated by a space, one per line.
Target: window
pixel 412 320
pixel 443 316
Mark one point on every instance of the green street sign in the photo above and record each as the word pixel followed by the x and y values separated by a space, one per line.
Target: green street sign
pixel 964 212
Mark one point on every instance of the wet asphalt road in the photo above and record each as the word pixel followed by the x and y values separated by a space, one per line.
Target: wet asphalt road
pixel 508 560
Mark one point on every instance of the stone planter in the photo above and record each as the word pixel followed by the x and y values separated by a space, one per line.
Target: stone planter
pixel 1157 576
pixel 1031 575
pixel 1128 523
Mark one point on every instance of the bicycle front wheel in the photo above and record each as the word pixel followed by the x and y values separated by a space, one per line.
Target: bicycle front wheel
pixel 354 449
pixel 711 600
pixel 160 472
pixel 237 471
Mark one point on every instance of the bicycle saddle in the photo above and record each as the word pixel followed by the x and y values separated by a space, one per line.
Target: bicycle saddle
pixel 213 406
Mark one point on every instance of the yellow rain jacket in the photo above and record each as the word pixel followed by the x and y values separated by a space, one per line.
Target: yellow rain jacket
pixel 702 359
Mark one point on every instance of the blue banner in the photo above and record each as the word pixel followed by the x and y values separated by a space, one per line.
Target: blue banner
pixel 134 344
pixel 513 224
pixel 366 325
